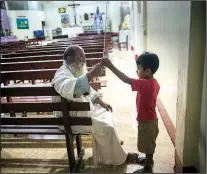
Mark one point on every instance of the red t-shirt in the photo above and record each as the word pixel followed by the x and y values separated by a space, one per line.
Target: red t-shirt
pixel 148 90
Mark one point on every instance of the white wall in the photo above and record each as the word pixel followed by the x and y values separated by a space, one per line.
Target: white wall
pixel 202 142
pixel 167 32
pixel 115 14
pixel 138 37
pixel 53 18
pixel 34 18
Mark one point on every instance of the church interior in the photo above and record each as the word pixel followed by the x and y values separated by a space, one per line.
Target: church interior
pixel 34 37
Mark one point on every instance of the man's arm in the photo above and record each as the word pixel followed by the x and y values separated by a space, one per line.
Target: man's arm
pixel 81 87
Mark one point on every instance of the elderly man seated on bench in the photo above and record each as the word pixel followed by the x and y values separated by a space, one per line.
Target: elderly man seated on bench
pixel 71 81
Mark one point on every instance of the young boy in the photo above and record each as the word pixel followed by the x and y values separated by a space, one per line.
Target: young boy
pixel 147 89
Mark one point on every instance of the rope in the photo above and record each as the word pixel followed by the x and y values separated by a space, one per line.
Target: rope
pixel 105 29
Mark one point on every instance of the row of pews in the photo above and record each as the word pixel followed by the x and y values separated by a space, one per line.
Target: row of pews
pixel 19 45
pixel 25 88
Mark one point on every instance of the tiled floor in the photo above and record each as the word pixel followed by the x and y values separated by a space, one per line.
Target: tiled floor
pixel 121 98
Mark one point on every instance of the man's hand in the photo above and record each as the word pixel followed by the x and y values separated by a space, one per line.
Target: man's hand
pixel 95 71
pixel 106 62
pixel 104 105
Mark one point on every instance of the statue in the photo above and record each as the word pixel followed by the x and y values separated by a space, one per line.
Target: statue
pixel 126 22
pixel 98 21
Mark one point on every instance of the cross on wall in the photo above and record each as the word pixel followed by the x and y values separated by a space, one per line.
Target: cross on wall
pixel 73 5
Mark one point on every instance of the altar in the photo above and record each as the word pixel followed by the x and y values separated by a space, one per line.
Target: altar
pixel 72 31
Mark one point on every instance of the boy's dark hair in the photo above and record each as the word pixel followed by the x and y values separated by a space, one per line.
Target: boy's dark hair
pixel 148 60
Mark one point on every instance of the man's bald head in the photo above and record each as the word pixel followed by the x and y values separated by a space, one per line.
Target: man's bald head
pixel 74 54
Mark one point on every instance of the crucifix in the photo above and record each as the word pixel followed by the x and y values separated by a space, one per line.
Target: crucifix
pixel 73 5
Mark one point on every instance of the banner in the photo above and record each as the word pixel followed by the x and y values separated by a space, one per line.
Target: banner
pixel 22 23
pixel 64 20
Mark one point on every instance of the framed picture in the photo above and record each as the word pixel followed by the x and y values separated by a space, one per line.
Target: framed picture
pixel 62 10
pixel 64 20
pixel 22 23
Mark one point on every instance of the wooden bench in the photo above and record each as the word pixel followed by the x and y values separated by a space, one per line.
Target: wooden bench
pixel 97 37
pixel 79 43
pixel 39 125
pixel 50 48
pixel 49 52
pixel 33 75
pixel 61 46
pixel 84 41
pixel 48 57
pixel 13 46
pixel 42 64
pixel 90 58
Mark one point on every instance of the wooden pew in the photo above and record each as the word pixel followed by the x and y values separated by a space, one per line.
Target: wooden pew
pixel 37 74
pixel 101 37
pixel 50 52
pixel 42 64
pixel 47 47
pixel 47 57
pixel 32 58
pixel 58 47
pixel 39 125
pixel 84 41
pixel 33 75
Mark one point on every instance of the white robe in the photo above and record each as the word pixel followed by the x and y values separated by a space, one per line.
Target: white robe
pixel 108 149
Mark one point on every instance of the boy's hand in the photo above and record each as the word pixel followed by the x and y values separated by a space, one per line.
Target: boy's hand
pixel 106 62
pixel 95 71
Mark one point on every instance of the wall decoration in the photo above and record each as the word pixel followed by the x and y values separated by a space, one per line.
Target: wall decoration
pixel 62 10
pixel 22 23
pixel 64 20
pixel 86 17
pixel 98 20
pixel 92 16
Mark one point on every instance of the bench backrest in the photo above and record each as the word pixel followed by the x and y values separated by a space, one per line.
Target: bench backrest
pixel 40 74
pixel 80 44
pixel 47 57
pixel 47 48
pixel 84 41
pixel 47 52
pixel 63 106
pixel 45 64
pixel 87 37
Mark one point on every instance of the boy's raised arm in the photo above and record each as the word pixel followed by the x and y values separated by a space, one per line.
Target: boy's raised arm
pixel 107 63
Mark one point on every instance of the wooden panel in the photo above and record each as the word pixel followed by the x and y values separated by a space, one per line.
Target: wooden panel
pixel 32 58
pixel 49 64
pixel 46 74
pixel 50 48
pixel 45 52
pixel 32 131
pixel 37 90
pixel 28 90
pixel 43 107
pixel 28 75
pixel 45 121
pixel 60 46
